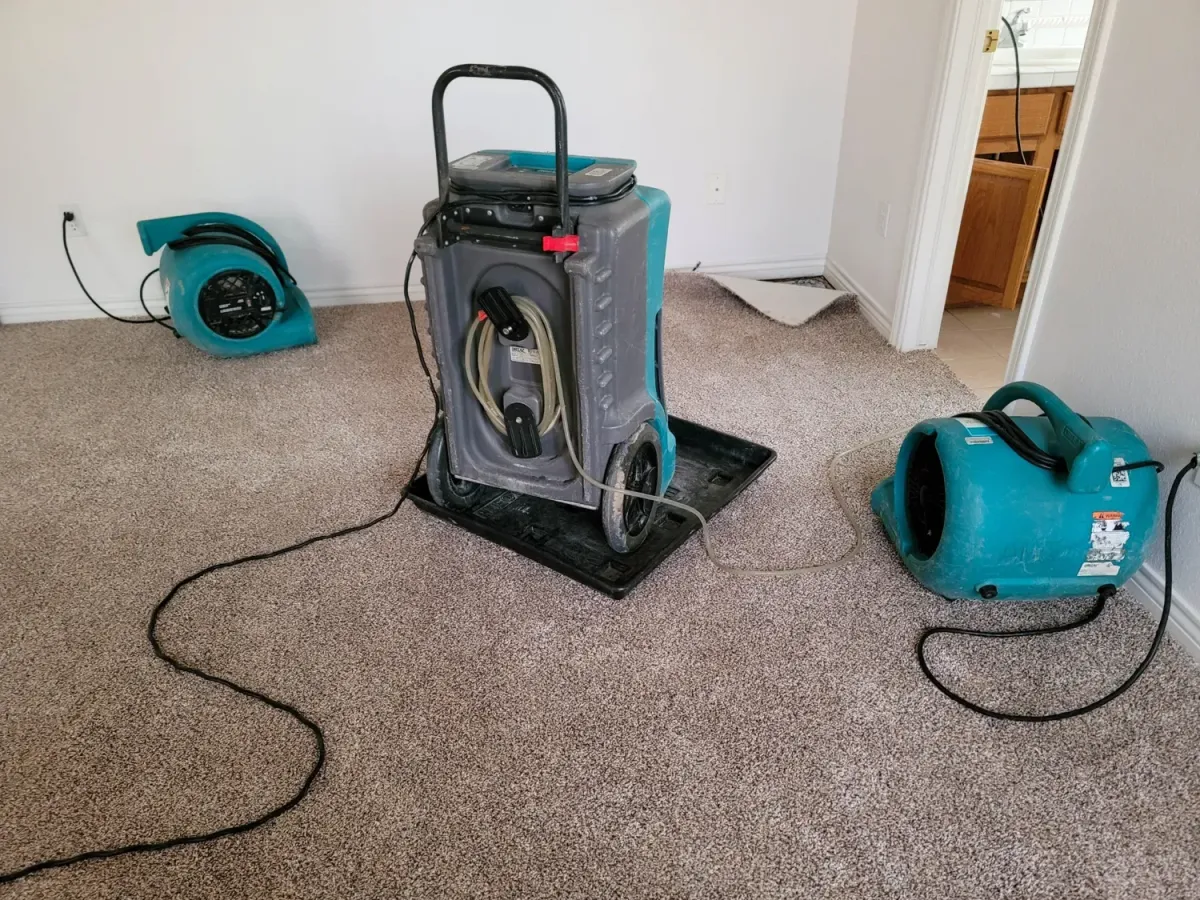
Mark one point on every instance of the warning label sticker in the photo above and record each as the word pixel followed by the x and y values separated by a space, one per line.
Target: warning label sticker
pixel 596 173
pixel 530 355
pixel 1110 534
pixel 1119 479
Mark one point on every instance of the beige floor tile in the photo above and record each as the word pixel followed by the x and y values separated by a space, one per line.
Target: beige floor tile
pixel 980 372
pixel 962 344
pixel 998 339
pixel 978 318
pixel 949 323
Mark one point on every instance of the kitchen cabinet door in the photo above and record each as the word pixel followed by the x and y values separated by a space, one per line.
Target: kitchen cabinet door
pixel 998 225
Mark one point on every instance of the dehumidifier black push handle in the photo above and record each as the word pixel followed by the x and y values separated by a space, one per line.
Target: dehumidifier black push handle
pixel 510 73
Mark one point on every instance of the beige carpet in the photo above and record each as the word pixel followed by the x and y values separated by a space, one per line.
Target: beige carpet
pixel 494 729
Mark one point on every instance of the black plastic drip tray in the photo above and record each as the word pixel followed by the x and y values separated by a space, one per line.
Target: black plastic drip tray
pixel 711 469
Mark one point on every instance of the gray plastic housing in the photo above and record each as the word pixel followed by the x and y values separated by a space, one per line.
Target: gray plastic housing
pixel 596 303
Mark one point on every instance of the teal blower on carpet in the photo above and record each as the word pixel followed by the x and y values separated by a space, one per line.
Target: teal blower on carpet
pixel 988 506
pixel 227 284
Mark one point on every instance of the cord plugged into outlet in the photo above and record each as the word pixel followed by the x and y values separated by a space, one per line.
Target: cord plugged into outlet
pixel 74 221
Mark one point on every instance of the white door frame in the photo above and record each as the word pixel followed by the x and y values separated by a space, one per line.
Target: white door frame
pixel 955 118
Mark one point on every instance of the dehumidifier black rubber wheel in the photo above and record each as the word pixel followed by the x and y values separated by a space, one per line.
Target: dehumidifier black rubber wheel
pixel 634 465
pixel 444 488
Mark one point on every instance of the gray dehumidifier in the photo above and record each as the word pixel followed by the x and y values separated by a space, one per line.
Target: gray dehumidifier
pixel 544 283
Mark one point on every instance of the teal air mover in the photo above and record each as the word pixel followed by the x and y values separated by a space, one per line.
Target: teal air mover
pixel 227 284
pixel 990 507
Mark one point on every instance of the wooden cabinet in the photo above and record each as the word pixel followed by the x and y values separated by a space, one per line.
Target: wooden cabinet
pixel 997 133
pixel 1004 201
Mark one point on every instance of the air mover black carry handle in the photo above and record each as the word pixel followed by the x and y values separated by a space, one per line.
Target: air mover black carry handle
pixel 510 73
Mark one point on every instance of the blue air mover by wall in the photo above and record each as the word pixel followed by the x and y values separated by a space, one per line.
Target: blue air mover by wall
pixel 544 281
pixel 227 284
pixel 989 507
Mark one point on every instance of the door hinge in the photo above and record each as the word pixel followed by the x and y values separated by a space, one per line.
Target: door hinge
pixel 991 40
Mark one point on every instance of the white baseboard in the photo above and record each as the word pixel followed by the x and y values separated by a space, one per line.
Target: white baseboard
pixel 127 307
pixel 805 267
pixel 1147 586
pixel 875 314
pixel 15 314
pixel 388 293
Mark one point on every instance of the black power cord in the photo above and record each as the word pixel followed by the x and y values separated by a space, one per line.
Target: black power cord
pixel 180 666
pixel 222 233
pixel 164 322
pixel 514 197
pixel 1017 65
pixel 70 217
pixel 1008 430
pixel 465 197
pixel 1012 434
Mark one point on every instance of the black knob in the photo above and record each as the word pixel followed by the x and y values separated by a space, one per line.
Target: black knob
pixel 988 592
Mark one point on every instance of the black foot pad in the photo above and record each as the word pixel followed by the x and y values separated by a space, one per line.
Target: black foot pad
pixel 710 470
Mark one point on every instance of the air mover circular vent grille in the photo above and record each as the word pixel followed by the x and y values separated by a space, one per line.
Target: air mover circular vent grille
pixel 925 496
pixel 237 304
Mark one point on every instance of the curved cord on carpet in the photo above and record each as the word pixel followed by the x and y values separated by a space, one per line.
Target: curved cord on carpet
pixel 180 666
pixel 315 729
pixel 1089 617
pixel 550 359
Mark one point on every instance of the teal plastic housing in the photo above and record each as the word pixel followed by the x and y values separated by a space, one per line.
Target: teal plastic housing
pixel 184 272
pixel 656 261
pixel 1029 533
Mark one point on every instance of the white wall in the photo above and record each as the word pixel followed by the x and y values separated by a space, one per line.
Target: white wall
pixel 313 118
pixel 1119 331
pixel 894 65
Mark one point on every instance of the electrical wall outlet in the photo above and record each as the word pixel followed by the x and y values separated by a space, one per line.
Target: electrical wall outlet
pixel 715 191
pixel 884 218
pixel 75 227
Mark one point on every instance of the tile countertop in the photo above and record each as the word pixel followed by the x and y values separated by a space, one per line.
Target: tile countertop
pixel 1041 67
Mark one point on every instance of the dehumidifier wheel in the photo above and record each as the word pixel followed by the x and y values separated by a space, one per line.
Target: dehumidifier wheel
pixel 444 488
pixel 634 465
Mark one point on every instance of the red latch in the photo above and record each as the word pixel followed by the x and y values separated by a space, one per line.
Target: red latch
pixel 568 243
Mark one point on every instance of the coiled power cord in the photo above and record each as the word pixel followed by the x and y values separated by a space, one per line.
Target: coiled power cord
pixel 481 339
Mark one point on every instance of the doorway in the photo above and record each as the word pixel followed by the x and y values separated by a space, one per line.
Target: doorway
pixel 1030 91
pixel 992 194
